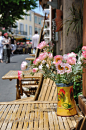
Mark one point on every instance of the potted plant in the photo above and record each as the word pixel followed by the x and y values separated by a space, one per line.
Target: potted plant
pixel 64 70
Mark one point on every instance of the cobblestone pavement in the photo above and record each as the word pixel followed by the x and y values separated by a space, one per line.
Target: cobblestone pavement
pixel 7 88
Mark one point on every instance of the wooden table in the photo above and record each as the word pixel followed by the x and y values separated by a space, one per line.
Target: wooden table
pixel 13 74
pixel 34 116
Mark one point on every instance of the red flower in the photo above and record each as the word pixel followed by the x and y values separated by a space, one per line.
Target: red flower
pixel 62 90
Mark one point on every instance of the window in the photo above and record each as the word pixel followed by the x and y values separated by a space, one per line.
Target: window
pixel 35 29
pixel 30 16
pixel 40 20
pixel 26 29
pixel 36 19
pixel 21 28
pixel 30 30
pixel 26 17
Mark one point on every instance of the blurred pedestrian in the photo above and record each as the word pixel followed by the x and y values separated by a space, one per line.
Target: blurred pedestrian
pixel 35 40
pixel 1 47
pixel 12 44
pixel 7 48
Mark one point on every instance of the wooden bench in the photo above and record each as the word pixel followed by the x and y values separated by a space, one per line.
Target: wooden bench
pixel 38 113
pixel 34 115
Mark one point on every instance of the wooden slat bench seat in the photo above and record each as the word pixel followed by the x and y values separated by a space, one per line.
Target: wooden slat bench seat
pixel 34 115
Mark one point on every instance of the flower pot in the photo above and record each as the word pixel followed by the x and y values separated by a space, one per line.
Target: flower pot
pixel 58 20
pixel 66 105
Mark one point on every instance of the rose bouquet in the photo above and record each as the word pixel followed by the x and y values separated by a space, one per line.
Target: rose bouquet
pixel 61 69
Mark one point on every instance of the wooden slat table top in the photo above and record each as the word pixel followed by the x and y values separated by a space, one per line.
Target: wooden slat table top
pixel 32 55
pixel 30 58
pixel 13 74
pixel 38 115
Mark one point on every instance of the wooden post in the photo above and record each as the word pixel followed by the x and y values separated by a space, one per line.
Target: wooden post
pixel 84 44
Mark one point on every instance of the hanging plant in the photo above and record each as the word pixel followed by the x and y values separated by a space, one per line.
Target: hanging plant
pixel 75 21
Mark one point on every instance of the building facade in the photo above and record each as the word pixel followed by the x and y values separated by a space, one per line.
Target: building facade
pixel 27 26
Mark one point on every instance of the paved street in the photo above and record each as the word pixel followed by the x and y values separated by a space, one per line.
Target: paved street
pixel 7 88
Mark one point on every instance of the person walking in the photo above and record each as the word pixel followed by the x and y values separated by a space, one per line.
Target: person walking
pixel 35 40
pixel 6 48
pixel 12 44
pixel 1 47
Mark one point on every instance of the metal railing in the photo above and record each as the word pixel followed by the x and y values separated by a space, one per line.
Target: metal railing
pixel 19 32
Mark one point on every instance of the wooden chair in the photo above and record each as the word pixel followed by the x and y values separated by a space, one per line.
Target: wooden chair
pixel 46 91
pixel 28 86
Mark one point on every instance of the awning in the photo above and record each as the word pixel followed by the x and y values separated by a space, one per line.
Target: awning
pixel 19 38
pixel 28 39
pixel 54 3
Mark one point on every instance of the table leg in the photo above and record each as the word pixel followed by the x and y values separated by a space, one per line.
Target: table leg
pixel 17 93
pixel 20 85
pixel 17 90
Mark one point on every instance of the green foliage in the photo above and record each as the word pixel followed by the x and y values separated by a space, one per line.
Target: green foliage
pixel 12 10
pixel 75 21
pixel 77 88
pixel 77 49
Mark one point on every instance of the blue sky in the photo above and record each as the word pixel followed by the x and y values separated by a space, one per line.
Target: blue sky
pixel 39 9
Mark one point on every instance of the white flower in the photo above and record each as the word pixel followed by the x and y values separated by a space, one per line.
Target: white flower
pixel 40 67
pixel 47 65
pixel 72 54
pixel 44 61
pixel 81 57
pixel 24 65
pixel 79 62
pixel 65 56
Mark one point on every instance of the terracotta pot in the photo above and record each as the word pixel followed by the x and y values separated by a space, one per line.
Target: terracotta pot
pixel 66 105
pixel 59 20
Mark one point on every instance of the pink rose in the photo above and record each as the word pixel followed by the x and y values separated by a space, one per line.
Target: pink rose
pixel 43 56
pixel 42 45
pixel 84 48
pixel 68 68
pixel 57 62
pixel 3 28
pixel 35 70
pixel 60 68
pixel 24 65
pixel 84 54
pixel 20 75
pixel 57 58
pixel 36 61
pixel 71 60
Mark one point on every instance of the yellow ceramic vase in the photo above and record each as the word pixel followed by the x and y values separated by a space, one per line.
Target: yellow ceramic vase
pixel 66 105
